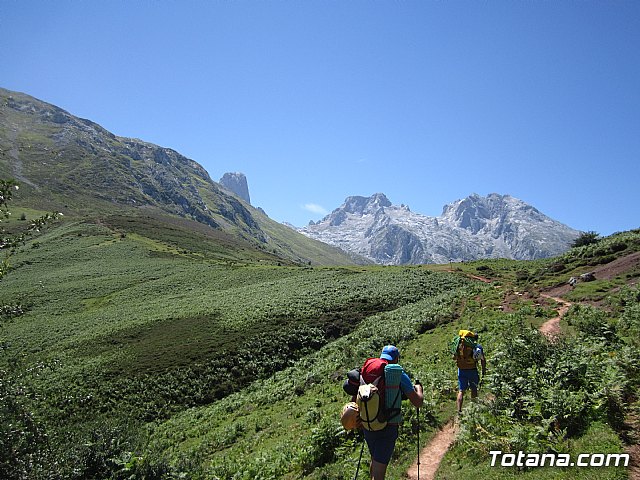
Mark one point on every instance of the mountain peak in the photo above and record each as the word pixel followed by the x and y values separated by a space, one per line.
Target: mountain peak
pixel 474 227
pixel 356 206
pixel 364 205
pixel 476 212
pixel 236 182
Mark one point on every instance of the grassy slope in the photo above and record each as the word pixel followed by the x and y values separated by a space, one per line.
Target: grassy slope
pixel 247 433
pixel 83 281
pixel 150 315
pixel 123 328
pixel 74 166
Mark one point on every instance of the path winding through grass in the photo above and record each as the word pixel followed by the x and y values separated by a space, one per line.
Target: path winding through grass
pixel 428 461
pixel 551 328
pixel 430 457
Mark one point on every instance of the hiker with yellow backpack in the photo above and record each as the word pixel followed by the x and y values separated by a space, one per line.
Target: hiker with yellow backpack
pixel 467 352
pixel 377 390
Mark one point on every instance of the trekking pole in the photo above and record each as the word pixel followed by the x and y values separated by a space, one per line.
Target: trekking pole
pixel 418 413
pixel 361 451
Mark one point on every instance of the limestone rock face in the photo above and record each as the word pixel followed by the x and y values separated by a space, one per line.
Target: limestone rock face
pixel 236 183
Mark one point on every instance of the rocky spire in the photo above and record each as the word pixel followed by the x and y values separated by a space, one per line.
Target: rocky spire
pixel 236 183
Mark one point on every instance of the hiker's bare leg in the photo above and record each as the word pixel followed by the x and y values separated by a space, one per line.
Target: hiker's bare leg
pixel 378 470
pixel 459 400
pixel 474 393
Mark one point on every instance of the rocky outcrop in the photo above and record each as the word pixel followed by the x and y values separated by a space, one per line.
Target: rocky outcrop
pixel 236 183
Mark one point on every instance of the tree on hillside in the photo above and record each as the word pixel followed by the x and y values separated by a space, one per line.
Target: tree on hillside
pixel 586 238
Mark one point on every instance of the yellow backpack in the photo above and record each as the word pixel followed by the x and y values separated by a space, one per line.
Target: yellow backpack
pixel 465 336
pixel 371 408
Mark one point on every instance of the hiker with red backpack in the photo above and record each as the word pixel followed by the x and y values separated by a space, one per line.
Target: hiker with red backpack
pixel 467 352
pixel 378 389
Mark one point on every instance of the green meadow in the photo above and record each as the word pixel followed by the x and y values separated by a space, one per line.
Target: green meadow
pixel 133 348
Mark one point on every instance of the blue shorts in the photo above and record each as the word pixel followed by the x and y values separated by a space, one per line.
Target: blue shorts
pixel 468 379
pixel 382 443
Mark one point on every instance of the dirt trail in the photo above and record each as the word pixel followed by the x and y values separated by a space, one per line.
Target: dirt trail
pixel 551 328
pixel 477 277
pixel 634 464
pixel 431 455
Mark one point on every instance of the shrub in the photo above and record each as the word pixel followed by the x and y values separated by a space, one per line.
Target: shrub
pixel 592 323
pixel 586 238
pixel 557 267
pixel 23 452
pixel 321 447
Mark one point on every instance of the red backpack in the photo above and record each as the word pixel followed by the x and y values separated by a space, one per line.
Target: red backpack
pixel 372 369
pixel 371 401
pixel 373 372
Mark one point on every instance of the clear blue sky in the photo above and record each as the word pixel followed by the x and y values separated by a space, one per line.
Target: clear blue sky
pixel 426 101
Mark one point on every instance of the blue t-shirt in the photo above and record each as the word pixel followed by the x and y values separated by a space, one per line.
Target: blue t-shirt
pixel 405 384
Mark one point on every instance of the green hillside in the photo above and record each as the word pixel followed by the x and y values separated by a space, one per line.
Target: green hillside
pixel 131 349
pixel 118 330
pixel 71 165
